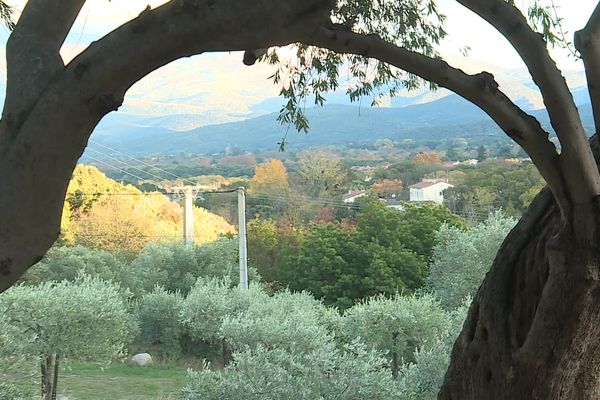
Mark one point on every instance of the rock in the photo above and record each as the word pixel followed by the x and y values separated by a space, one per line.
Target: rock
pixel 141 360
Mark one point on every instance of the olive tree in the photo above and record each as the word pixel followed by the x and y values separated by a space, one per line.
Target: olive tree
pixel 83 320
pixel 397 326
pixel 462 258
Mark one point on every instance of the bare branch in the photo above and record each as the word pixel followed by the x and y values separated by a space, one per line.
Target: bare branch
pixel 32 53
pixel 480 89
pixel 587 42
pixel 577 161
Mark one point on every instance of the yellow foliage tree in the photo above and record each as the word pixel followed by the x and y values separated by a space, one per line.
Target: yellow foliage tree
pixel 427 158
pixel 269 177
pixel 118 217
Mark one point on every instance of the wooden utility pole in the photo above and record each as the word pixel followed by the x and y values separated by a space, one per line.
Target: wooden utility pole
pixel 242 238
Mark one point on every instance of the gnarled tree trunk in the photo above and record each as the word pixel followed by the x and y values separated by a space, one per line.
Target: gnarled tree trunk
pixel 532 330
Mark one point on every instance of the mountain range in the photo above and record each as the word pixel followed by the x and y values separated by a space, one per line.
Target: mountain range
pixel 231 107
pixel 443 119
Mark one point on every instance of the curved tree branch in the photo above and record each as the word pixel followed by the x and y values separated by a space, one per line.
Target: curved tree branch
pixel 184 28
pixel 481 89
pixel 587 42
pixel 577 161
pixel 33 54
pixel 38 161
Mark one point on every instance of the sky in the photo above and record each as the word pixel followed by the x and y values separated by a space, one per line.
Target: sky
pixel 465 29
pixel 217 84
pixel 99 17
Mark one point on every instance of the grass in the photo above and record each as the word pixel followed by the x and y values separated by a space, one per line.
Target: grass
pixel 118 381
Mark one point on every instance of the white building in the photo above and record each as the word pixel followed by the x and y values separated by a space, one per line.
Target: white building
pixel 352 195
pixel 429 190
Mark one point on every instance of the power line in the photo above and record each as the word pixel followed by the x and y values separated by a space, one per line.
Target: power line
pixel 141 161
pixel 117 168
pixel 160 178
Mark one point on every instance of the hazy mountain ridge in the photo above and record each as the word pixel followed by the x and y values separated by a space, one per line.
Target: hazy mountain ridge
pixel 449 117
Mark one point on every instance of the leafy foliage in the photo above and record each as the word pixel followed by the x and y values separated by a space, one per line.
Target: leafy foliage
pixel 210 302
pixel 396 326
pixel 295 322
pixel 495 185
pixel 176 267
pixel 386 252
pixel 350 373
pixel 83 320
pixel 311 71
pixel 87 319
pixel 68 263
pixel 422 379
pixel 462 258
pixel 158 316
pixel 10 392
pixel 102 213
pixel 320 174
pixel 269 177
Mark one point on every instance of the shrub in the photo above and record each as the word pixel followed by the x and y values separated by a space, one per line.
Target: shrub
pixel 462 258
pixel 349 373
pixel 10 392
pixel 396 326
pixel 158 316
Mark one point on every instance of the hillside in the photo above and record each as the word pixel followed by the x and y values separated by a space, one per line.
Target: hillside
pixel 443 119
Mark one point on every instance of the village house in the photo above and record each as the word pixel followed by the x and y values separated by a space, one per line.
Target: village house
pixel 429 190
pixel 352 195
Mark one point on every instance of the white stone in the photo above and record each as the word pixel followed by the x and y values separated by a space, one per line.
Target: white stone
pixel 141 360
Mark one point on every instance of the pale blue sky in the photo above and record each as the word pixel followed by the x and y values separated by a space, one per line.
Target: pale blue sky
pixel 217 84
pixel 100 16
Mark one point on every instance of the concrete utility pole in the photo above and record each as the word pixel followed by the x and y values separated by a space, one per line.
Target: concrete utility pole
pixel 242 237
pixel 190 193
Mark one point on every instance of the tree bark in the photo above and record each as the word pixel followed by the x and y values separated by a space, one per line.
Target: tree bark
pixel 532 330
pixel 48 377
pixel 55 376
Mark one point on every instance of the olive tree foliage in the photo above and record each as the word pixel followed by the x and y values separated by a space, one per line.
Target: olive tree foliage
pixel 350 373
pixel 175 266
pixel 397 326
pixel 10 392
pixel 211 301
pixel 462 258
pixel 422 378
pixel 158 314
pixel 83 320
pixel 69 262
pixel 295 322
pixel 291 346
pixel 283 346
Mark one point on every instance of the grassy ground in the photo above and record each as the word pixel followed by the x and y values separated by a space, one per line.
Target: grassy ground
pixel 81 381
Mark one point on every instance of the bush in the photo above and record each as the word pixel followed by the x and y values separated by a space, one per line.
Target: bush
pixel 396 326
pixel 176 266
pixel 349 373
pixel 158 316
pixel 295 322
pixel 462 258
pixel 422 379
pixel 213 300
pixel 83 320
pixel 67 263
